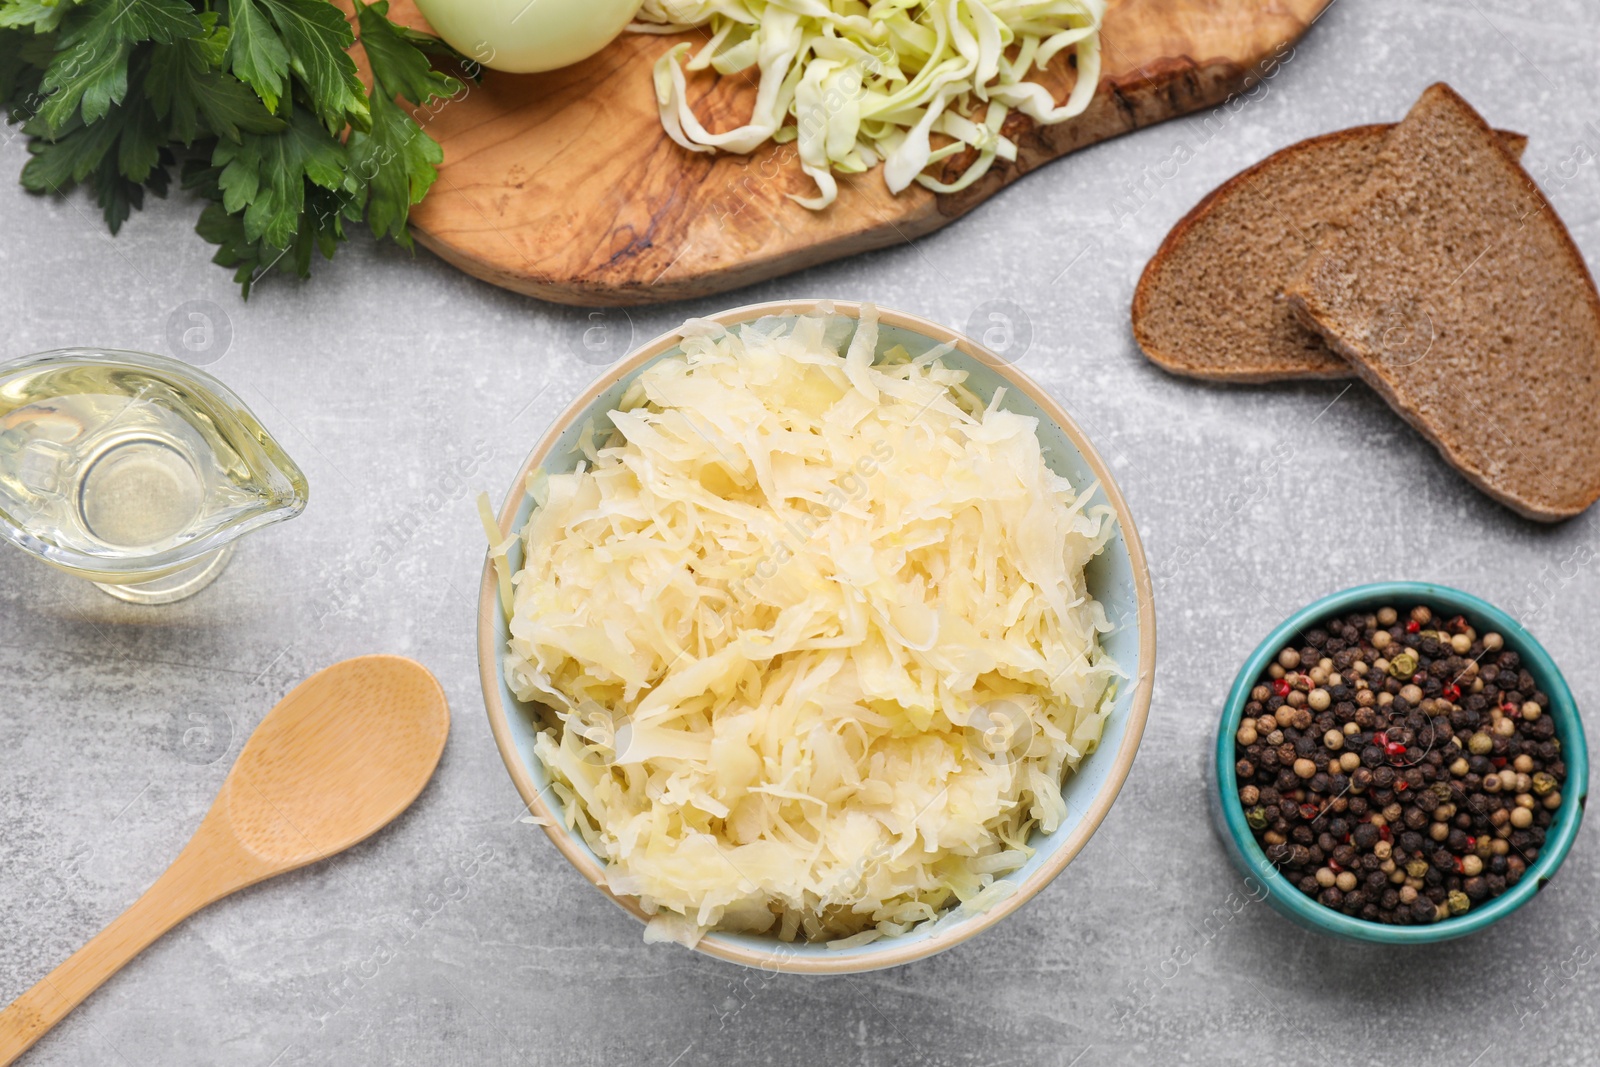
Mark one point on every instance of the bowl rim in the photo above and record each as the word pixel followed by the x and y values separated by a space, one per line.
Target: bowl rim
pixel 1563 707
pixel 489 652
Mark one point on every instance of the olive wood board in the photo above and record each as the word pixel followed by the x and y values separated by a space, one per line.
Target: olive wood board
pixel 564 186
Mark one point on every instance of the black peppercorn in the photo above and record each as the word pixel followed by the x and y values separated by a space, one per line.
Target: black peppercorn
pixel 1407 758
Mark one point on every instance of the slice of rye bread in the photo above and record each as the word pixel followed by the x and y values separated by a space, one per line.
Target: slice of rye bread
pixel 1210 303
pixel 1456 293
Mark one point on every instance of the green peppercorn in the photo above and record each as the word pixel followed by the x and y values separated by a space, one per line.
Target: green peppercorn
pixel 1257 818
pixel 1543 783
pixel 1403 665
pixel 1459 902
pixel 1417 868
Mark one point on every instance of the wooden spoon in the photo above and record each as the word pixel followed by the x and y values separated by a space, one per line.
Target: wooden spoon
pixel 338 758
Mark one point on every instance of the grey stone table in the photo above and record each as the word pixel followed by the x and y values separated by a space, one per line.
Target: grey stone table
pixel 459 936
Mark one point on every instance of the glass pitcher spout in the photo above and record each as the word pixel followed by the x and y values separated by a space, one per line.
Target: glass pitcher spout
pixel 133 470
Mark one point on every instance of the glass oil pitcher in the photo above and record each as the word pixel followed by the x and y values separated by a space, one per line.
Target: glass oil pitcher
pixel 134 471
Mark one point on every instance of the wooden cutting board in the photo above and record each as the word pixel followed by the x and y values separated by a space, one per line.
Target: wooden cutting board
pixel 563 185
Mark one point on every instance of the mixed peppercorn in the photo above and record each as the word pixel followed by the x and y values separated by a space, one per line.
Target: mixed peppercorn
pixel 1398 767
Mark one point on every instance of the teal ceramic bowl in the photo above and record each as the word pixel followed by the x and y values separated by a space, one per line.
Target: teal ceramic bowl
pixel 1118 578
pixel 1246 853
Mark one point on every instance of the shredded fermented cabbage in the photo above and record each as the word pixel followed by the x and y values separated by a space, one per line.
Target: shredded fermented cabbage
pixel 817 635
pixel 870 82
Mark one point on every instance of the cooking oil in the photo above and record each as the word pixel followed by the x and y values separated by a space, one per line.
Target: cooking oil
pixel 127 468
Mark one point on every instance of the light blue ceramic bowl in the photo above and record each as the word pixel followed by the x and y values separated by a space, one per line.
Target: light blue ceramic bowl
pixel 1118 578
pixel 1246 853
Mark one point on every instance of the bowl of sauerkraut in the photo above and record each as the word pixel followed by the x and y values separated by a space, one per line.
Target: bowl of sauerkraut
pixel 816 636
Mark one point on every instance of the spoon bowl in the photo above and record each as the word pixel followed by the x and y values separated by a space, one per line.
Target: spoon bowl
pixel 334 762
pixel 309 784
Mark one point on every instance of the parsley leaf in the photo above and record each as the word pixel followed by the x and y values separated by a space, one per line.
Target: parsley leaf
pixel 317 36
pixel 42 15
pixel 90 71
pixel 258 100
pixel 256 52
pixel 264 176
pixel 398 66
pixel 196 99
pixel 72 157
pixel 399 163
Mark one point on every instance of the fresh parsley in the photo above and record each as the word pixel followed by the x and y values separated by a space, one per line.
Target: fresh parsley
pixel 256 105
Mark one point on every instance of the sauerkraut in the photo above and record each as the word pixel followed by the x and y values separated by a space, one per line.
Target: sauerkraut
pixel 817 635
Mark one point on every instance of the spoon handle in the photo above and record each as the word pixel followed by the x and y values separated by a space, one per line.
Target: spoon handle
pixel 176 895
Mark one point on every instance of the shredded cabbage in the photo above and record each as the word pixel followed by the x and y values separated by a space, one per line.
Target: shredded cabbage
pixel 817 635
pixel 874 82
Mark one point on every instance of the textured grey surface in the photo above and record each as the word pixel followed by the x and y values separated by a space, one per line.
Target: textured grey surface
pixel 460 936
